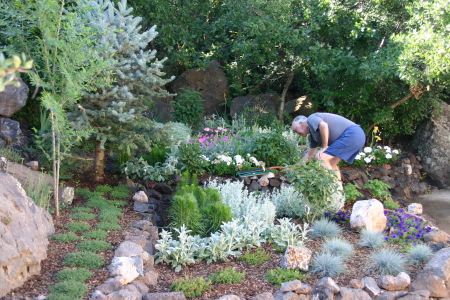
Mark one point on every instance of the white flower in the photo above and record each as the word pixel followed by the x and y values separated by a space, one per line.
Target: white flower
pixel 367 149
pixel 362 154
pixel 395 151
pixel 388 149
pixel 238 159
pixel 378 147
pixel 204 157
pixel 388 156
pixel 367 159
pixel 358 157
pixel 254 161
pixel 225 158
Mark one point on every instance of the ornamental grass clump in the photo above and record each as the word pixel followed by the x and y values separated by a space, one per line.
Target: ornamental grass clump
pixel 371 239
pixel 325 229
pixel 338 247
pixel 419 254
pixel 402 227
pixel 326 264
pixel 387 262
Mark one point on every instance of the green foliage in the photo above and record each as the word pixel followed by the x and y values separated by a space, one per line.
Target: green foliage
pixel 108 226
pixel 96 234
pixel 10 154
pixel 371 239
pixel 9 67
pixel 83 216
pixel 78 226
pixel 227 275
pixel 391 204
pixel 185 211
pixel 419 254
pixel 78 275
pixel 112 211
pixel 351 192
pixel 108 218
pixel 188 107
pixel 287 233
pixel 83 192
pixel 103 188
pixel 73 289
pixel 387 261
pixel 379 189
pixel 121 189
pixel 191 286
pixel 88 260
pixel 190 158
pixel 255 258
pixel 326 264
pixel 93 246
pixel 157 154
pixel 338 247
pixel 81 209
pixel 120 194
pixel 65 237
pixel 318 185
pixel 214 215
pixel 279 275
pixel 325 229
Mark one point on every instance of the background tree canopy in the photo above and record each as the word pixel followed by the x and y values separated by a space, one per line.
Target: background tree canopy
pixel 356 58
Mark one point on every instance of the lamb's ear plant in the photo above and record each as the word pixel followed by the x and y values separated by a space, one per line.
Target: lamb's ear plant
pixel 386 261
pixel 371 239
pixel 287 233
pixel 326 264
pixel 419 254
pixel 326 229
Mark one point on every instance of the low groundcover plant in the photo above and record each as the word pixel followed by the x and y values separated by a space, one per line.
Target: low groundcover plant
pixel 403 227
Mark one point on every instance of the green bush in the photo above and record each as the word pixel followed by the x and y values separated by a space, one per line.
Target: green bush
pixel 111 211
pixel 78 227
pixel 351 192
pixel 379 189
pixel 78 275
pixel 213 216
pixel 93 246
pixel 255 258
pixel 191 286
pixel 108 218
pixel 108 226
pixel 188 107
pixel 121 188
pixel 228 275
pixel 10 154
pixel 391 204
pixel 72 289
pixel 279 275
pixel 190 158
pixel 83 216
pixel 87 260
pixel 120 195
pixel 184 210
pixel 65 237
pixel 96 235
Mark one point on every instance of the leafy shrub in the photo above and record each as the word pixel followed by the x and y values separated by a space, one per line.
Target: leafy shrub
pixel 279 275
pixel 83 216
pixel 78 275
pixel 338 247
pixel 188 107
pixel 371 239
pixel 319 187
pixel 103 188
pixel 387 262
pixel 108 226
pixel 93 246
pixel 191 286
pixel 72 289
pixel 190 158
pixel 326 229
pixel 228 275
pixel 157 154
pixel 351 192
pixel 419 254
pixel 255 258
pixel 391 204
pixel 77 226
pixel 326 264
pixel 65 237
pixel 79 209
pixel 87 260
pixel 379 189
pixel 96 235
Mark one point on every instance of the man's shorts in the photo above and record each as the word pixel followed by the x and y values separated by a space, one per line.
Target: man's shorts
pixel 348 144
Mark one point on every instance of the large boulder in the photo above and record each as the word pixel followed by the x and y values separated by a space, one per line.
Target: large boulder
pixel 12 99
pixel 299 106
pixel 369 215
pixel 24 232
pixel 432 142
pixel 256 104
pixel 10 133
pixel 211 83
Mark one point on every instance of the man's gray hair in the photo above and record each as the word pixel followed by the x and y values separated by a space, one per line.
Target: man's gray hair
pixel 299 119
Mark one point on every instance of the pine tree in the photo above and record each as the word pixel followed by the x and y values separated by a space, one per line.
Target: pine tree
pixel 115 113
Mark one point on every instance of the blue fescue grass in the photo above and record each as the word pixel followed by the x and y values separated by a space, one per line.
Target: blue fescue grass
pixel 388 262
pixel 419 254
pixel 371 239
pixel 325 228
pixel 338 247
pixel 326 264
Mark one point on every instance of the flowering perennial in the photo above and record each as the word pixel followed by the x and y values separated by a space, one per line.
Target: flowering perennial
pixel 404 227
pixel 377 156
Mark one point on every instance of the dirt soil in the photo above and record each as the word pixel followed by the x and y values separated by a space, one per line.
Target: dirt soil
pixel 252 284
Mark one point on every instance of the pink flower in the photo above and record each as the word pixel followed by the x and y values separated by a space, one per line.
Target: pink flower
pixel 207 129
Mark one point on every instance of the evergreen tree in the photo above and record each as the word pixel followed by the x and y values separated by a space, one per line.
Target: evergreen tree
pixel 115 114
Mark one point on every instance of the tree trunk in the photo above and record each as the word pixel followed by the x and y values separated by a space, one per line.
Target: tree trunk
pixel 99 164
pixel 290 74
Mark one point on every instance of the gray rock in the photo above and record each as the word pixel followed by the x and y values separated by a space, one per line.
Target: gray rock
pixel 165 296
pixel 290 286
pixel 66 195
pixel 110 285
pixel 279 295
pixel 229 297
pixel 417 295
pixel 397 283
pixel 263 296
pixel 371 286
pixel 11 133
pixel 141 287
pixel 140 197
pixel 124 295
pixel 391 295
pixel 352 294
pixel 13 98
pixel 328 282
